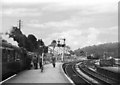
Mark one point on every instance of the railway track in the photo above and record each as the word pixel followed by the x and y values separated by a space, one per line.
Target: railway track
pixel 103 80
pixel 69 69
pixel 79 77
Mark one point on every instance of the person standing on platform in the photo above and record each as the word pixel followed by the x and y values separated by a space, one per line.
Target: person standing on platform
pixel 53 61
pixel 35 62
pixel 40 60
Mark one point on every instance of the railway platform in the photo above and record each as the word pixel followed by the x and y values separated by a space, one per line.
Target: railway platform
pixel 112 69
pixel 49 75
pixel 111 72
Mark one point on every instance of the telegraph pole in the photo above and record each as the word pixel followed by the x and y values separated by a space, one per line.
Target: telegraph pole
pixel 19 24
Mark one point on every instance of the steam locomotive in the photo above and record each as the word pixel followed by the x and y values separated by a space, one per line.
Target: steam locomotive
pixel 14 60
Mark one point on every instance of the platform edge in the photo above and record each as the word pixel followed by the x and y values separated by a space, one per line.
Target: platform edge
pixel 67 76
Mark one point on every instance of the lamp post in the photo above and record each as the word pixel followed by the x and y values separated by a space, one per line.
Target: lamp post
pixel 62 45
pixel 63 49
pixel 58 45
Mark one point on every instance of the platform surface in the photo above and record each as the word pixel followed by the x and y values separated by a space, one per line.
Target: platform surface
pixel 113 69
pixel 49 75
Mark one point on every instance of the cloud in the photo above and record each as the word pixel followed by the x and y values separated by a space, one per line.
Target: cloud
pixel 60 25
pixel 70 37
pixel 71 30
pixel 81 22
pixel 92 37
pixel 89 6
pixel 109 30
pixel 54 24
pixel 21 12
pixel 93 33
pixel 109 34
pixel 75 39
pixel 66 2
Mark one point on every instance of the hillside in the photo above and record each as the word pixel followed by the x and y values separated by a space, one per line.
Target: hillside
pixel 112 49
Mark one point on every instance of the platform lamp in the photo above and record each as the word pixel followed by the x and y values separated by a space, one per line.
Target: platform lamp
pixel 58 45
pixel 63 49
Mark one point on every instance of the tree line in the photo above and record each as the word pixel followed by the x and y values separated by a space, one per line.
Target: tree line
pixel 111 49
pixel 30 42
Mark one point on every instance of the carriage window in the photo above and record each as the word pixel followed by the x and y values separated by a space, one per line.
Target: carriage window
pixel 4 55
pixel 10 56
pixel 17 55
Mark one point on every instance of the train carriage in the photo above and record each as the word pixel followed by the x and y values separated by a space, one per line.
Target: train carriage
pixel 14 60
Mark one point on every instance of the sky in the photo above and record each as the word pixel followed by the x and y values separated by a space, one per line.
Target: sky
pixel 80 22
